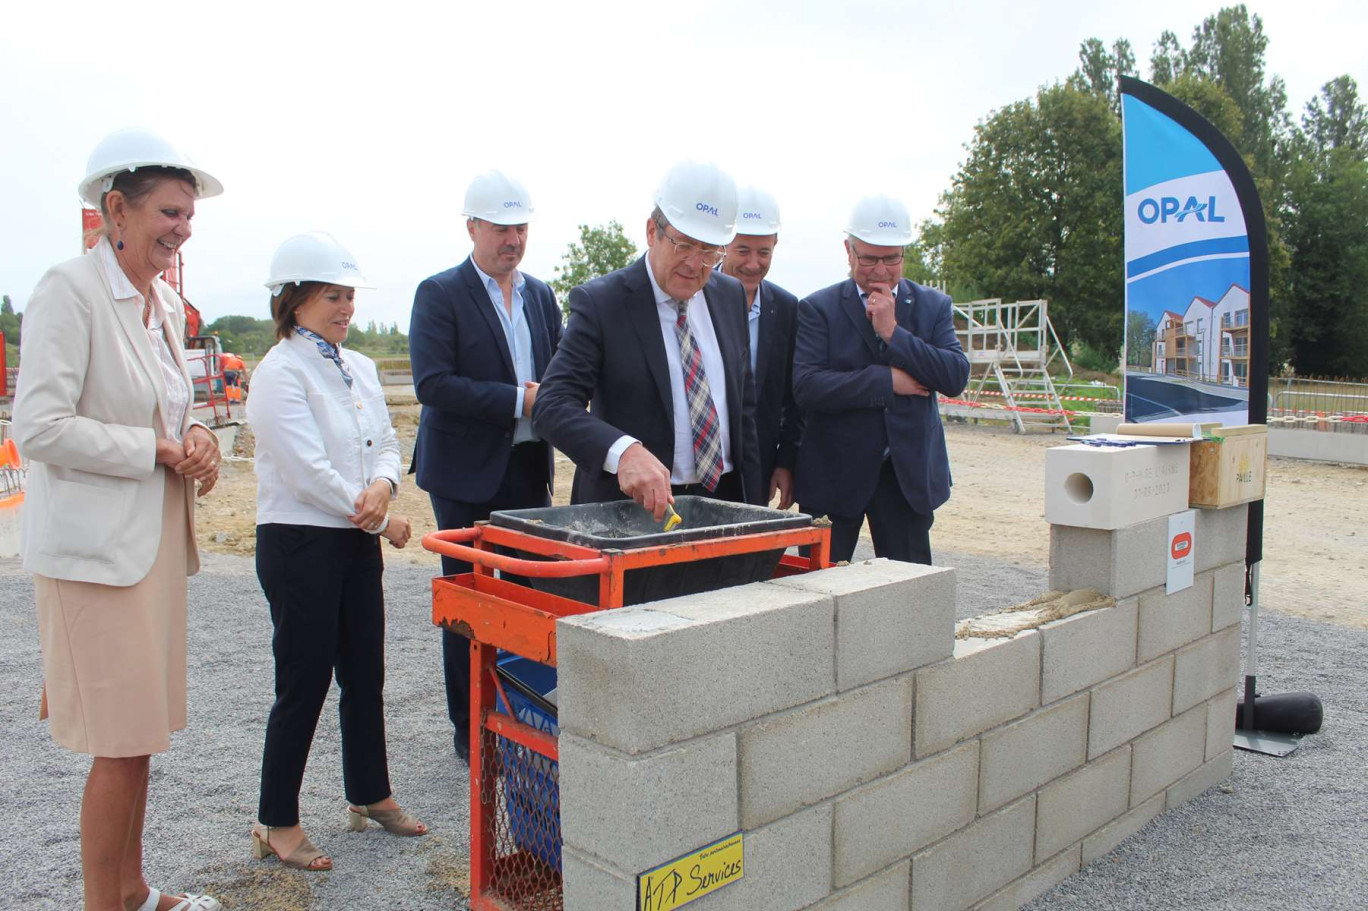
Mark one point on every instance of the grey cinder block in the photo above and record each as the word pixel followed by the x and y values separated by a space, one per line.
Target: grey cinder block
pixel 1167 753
pixel 1227 596
pixel 1208 775
pixel 805 755
pixel 1220 536
pixel 788 866
pixel 1086 649
pixel 1020 757
pixel 638 812
pixel 1167 622
pixel 638 678
pixel 889 890
pixel 1034 884
pixel 1206 669
pixel 903 813
pixel 1083 802
pixel 590 886
pixel 891 617
pixel 1120 563
pixel 976 861
pixel 1128 706
pixel 1105 839
pixel 987 683
pixel 1220 723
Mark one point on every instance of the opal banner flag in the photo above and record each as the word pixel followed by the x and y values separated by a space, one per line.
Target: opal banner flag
pixel 1196 268
pixel 1196 337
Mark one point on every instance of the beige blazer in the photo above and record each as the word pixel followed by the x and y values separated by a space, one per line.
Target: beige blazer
pixel 89 401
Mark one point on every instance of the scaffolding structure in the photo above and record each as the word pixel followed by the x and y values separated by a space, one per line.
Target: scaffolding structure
pixel 1011 347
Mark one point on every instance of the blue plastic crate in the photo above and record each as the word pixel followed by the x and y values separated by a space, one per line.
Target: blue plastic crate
pixel 531 781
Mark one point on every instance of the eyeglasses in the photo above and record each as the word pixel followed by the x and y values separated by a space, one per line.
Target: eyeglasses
pixel 891 259
pixel 709 256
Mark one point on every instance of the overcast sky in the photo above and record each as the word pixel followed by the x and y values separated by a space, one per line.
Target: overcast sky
pixel 368 119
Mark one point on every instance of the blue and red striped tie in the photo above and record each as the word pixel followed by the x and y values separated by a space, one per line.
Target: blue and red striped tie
pixel 707 436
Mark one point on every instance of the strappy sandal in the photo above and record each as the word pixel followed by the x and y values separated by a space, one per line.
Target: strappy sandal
pixel 187 902
pixel 395 822
pixel 304 857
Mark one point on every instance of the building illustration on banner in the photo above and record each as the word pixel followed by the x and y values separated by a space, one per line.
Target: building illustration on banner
pixel 1209 342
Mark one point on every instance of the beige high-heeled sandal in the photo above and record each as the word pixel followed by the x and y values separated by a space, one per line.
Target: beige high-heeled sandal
pixel 395 822
pixel 305 856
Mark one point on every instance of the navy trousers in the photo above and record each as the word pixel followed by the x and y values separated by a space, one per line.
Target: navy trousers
pixel 328 611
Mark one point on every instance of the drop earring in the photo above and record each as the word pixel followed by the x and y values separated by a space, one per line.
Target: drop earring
pixel 119 245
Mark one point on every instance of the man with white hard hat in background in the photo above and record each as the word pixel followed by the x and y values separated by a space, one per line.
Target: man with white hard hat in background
pixel 872 353
pixel 480 338
pixel 658 351
pixel 772 314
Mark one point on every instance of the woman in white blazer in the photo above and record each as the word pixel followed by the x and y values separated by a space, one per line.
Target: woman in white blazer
pixel 328 464
pixel 103 415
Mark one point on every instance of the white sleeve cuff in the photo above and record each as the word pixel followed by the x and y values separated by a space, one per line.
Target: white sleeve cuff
pixel 610 462
pixel 518 402
pixel 384 523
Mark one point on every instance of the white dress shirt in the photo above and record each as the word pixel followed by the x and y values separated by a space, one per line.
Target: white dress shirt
pixel 519 338
pixel 683 471
pixel 319 443
pixel 121 289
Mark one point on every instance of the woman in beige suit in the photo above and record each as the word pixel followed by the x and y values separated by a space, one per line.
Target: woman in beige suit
pixel 103 416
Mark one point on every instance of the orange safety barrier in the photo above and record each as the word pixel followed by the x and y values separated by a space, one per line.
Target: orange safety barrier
pixel 514 761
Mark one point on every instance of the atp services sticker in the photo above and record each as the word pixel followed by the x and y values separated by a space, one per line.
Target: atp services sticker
pixel 675 884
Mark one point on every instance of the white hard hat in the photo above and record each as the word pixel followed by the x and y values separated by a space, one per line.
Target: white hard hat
pixel 881 220
pixel 699 200
pixel 758 212
pixel 495 197
pixel 133 148
pixel 314 257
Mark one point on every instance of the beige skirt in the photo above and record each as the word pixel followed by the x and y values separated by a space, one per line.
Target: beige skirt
pixel 114 657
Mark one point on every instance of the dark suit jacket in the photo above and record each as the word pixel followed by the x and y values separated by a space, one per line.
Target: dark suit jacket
pixel 778 420
pixel 463 374
pixel 842 382
pixel 613 358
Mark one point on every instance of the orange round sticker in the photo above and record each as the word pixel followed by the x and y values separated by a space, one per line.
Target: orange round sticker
pixel 1181 546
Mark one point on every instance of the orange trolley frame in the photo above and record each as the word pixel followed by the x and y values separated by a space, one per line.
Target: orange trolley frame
pixel 495 614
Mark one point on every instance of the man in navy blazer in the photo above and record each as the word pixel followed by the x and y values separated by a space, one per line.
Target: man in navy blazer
pixel 653 431
pixel 480 338
pixel 872 353
pixel 772 315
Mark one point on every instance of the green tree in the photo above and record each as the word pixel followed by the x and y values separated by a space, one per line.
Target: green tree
pixel 1140 329
pixel 10 322
pixel 1328 235
pixel 601 249
pixel 1036 212
pixel 243 335
pixel 1099 69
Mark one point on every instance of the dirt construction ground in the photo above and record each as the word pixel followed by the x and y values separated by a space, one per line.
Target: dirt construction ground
pixel 1315 539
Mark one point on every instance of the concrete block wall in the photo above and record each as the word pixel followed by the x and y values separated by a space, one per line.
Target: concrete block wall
pixel 872 760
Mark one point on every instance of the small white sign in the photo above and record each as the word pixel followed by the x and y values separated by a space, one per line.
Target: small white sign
pixel 1182 545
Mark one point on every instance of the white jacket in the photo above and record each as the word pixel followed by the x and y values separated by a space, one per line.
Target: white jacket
pixel 318 442
pixel 85 414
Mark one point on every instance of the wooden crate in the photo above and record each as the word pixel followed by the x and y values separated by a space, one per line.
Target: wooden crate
pixel 1230 469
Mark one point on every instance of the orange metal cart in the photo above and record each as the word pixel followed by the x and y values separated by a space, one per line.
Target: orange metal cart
pixel 514 812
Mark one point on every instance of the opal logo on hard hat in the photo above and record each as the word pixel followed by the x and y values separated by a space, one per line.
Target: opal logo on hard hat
pixel 513 204
pixel 750 214
pixel 704 207
pixel 351 266
pixel 1151 210
pixel 888 224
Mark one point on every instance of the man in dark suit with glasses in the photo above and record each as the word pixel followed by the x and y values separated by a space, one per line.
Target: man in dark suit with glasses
pixel 659 353
pixel 871 354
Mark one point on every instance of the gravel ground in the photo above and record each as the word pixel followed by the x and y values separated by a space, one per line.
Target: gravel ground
pixel 1286 833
